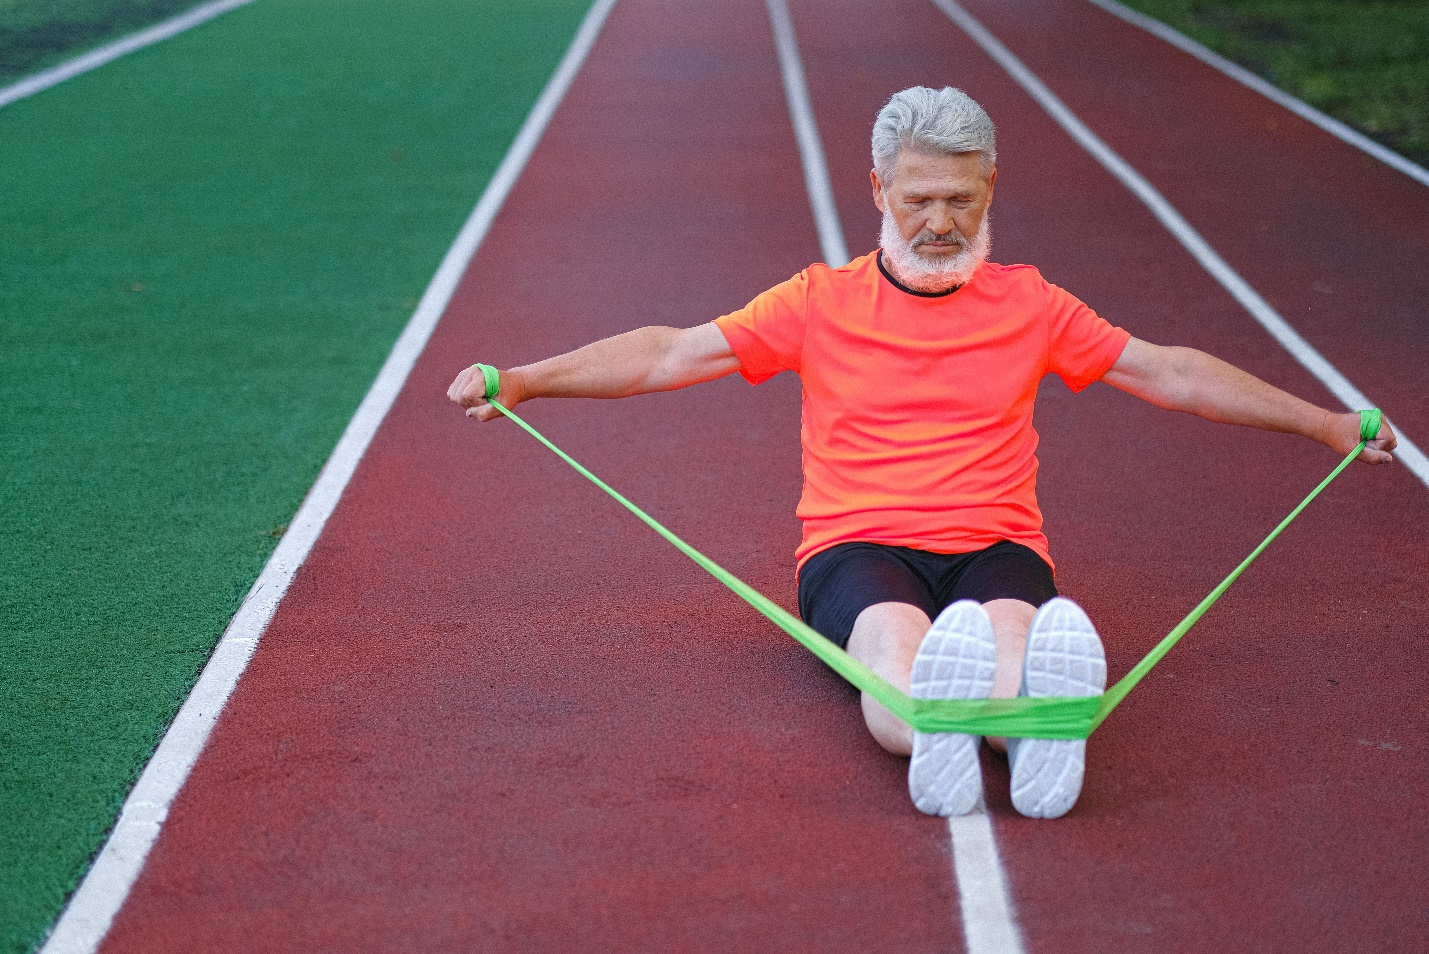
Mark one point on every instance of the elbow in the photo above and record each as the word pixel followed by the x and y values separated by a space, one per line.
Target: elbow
pixel 1176 382
pixel 664 369
pixel 1162 384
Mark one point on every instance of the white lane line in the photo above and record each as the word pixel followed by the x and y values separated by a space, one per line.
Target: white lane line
pixel 989 924
pixel 806 131
pixel 988 921
pixel 91 910
pixel 1407 453
pixel 112 51
pixel 1242 75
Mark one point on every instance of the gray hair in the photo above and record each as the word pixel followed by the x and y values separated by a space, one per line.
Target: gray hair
pixel 937 120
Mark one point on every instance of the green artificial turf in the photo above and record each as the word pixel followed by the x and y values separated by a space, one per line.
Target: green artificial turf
pixel 1364 62
pixel 209 248
pixel 35 34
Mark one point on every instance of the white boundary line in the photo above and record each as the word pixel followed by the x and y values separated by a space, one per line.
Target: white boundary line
pixel 1242 75
pixel 806 131
pixel 91 910
pixel 1314 362
pixel 989 924
pixel 112 51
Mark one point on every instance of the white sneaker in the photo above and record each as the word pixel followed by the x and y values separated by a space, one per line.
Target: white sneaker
pixel 1064 658
pixel 954 661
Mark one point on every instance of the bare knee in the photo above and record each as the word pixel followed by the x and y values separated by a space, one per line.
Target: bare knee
pixel 885 638
pixel 1011 620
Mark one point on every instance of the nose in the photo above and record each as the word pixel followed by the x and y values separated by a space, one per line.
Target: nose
pixel 940 219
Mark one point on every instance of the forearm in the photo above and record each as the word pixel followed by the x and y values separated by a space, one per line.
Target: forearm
pixel 1183 379
pixel 632 363
pixel 1208 387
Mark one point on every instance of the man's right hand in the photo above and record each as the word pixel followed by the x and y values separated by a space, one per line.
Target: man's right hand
pixel 469 390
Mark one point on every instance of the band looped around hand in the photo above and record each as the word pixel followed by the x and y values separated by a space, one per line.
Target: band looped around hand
pixel 1369 424
pixel 492 377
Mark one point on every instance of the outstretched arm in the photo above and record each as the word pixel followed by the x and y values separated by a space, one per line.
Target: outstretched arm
pixel 1183 379
pixel 637 362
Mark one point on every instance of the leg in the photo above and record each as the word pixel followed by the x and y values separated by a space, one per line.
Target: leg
pixel 952 658
pixel 1010 622
pixel 868 599
pixel 885 638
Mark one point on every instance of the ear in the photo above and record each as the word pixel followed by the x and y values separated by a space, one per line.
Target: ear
pixel 878 189
pixel 991 183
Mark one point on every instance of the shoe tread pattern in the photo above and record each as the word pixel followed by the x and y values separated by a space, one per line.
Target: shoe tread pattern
pixel 1064 658
pixel 955 661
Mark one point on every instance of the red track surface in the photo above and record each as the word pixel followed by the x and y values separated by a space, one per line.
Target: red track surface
pixel 496 713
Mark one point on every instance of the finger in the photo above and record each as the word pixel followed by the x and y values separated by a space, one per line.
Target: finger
pixel 483 413
pixel 459 385
pixel 474 394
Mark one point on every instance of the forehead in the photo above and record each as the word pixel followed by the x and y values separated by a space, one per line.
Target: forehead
pixel 932 172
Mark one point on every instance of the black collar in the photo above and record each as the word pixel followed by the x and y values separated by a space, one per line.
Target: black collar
pixel 912 291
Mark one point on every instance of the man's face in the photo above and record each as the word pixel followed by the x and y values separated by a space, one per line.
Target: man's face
pixel 938 201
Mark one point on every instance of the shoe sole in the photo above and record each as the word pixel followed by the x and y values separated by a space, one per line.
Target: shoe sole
pixel 954 661
pixel 1064 658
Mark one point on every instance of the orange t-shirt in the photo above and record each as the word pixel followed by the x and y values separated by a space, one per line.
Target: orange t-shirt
pixel 917 421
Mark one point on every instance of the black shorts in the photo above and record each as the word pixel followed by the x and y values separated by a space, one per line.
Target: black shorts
pixel 837 584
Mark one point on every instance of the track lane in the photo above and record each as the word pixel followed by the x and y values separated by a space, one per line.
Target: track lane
pixel 1255 791
pixel 496 713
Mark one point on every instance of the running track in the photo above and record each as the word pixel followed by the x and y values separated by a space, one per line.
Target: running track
pixel 496 713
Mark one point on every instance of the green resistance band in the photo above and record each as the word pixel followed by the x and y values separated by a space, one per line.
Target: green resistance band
pixel 1057 718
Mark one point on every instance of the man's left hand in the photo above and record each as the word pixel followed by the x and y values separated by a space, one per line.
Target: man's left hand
pixel 1342 432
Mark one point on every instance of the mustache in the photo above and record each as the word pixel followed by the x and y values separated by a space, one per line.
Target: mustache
pixel 928 235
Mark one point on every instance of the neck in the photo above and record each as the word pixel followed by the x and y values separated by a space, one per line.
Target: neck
pixel 890 271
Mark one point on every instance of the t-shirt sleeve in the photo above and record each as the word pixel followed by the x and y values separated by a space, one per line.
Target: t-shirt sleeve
pixel 1082 345
pixel 767 335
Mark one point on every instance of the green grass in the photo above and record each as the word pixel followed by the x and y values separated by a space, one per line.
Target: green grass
pixel 210 246
pixel 35 34
pixel 1365 62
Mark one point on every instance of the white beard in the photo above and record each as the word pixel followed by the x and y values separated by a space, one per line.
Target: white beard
pixel 933 275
